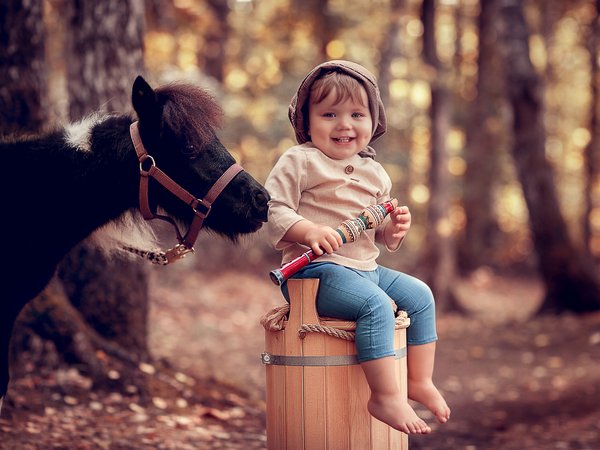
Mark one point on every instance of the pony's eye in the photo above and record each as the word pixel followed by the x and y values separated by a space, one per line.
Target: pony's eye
pixel 189 150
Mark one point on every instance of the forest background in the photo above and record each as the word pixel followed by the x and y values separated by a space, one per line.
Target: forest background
pixel 493 141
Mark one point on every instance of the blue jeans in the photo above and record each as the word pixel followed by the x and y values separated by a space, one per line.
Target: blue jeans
pixel 364 297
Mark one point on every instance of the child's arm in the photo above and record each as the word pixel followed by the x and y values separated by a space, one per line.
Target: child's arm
pixel 397 228
pixel 320 238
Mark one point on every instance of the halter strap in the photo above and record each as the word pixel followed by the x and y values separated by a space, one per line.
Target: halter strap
pixel 201 207
pixel 207 201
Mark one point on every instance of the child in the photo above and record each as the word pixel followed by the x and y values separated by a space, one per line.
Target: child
pixel 332 176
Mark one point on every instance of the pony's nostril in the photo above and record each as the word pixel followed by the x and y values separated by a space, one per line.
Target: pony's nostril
pixel 261 199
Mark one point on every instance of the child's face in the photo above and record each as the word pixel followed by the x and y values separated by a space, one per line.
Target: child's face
pixel 340 130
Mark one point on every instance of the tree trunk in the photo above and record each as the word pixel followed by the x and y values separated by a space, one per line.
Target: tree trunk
pixel 22 74
pixel 112 295
pixel 389 50
pixel 23 89
pixel 324 25
pixel 440 251
pixel 104 54
pixel 482 153
pixel 591 232
pixel 51 316
pixel 23 94
pixel 569 276
pixel 104 57
pixel 214 51
pixel 394 143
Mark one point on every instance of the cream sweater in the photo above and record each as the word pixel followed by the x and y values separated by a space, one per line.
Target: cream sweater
pixel 307 184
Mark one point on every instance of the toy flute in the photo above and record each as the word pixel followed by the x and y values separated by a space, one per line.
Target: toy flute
pixel 371 217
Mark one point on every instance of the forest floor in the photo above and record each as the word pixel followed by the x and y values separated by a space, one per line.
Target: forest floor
pixel 513 381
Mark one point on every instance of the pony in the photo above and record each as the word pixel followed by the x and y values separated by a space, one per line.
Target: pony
pixel 60 187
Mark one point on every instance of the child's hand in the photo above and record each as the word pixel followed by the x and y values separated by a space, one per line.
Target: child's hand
pixel 399 225
pixel 401 220
pixel 322 238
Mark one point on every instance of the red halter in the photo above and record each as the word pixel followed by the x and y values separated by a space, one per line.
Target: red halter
pixel 201 207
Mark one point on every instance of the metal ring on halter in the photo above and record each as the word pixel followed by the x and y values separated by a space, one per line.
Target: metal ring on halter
pixel 143 159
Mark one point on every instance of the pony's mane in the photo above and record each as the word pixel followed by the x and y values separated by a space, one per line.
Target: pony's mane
pixel 78 134
pixel 190 107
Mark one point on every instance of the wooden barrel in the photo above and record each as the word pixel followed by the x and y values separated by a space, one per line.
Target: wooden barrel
pixel 316 391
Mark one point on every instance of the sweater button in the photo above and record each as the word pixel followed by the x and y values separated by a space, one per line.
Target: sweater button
pixel 349 169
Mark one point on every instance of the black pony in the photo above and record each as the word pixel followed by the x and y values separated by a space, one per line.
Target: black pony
pixel 59 188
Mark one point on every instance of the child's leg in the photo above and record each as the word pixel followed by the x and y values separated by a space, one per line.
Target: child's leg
pixel 354 295
pixel 415 297
pixel 386 402
pixel 420 362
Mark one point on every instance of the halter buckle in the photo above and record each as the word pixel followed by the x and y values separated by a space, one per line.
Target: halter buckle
pixel 201 204
pixel 178 252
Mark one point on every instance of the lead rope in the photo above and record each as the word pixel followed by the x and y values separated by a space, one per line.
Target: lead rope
pixel 155 257
pixel 275 320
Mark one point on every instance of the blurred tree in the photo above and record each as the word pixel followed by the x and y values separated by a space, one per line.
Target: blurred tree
pixel 323 23
pixel 23 90
pixel 97 300
pixel 104 56
pixel 213 51
pixel 592 152
pixel 569 276
pixel 389 50
pixel 481 230
pixel 160 15
pixel 22 74
pixel 439 255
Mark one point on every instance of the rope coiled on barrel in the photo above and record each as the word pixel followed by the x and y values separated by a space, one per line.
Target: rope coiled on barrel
pixel 275 320
pixel 330 331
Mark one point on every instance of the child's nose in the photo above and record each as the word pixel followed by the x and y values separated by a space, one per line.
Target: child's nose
pixel 344 123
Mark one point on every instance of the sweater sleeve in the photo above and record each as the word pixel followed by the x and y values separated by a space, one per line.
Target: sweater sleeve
pixel 285 184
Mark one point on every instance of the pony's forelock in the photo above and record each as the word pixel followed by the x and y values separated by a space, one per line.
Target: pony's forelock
pixel 188 107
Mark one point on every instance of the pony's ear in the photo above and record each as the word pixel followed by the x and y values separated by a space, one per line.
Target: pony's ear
pixel 144 100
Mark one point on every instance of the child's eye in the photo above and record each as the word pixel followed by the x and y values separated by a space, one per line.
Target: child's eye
pixel 328 114
pixel 358 115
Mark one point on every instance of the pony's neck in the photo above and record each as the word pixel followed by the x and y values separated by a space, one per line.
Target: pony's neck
pixel 114 160
pixel 70 182
pixel 105 158
pixel 113 186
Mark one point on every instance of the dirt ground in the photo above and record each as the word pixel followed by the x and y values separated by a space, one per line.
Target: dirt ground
pixel 513 382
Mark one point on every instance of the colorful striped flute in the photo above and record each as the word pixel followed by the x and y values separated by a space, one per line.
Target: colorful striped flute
pixel 371 217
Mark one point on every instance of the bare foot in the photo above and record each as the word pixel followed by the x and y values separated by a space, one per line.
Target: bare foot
pixel 428 395
pixel 397 413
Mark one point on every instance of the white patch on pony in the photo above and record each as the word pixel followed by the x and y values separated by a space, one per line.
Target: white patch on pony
pixel 78 134
pixel 129 229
